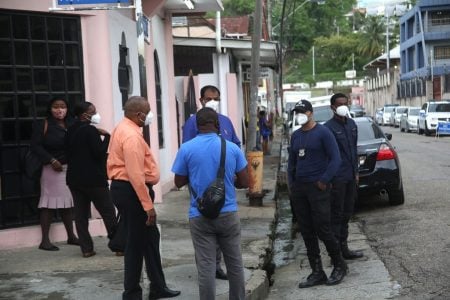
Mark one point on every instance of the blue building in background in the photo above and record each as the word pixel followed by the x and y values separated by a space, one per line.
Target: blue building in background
pixel 425 51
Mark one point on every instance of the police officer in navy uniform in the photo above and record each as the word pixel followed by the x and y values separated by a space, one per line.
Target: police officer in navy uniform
pixel 313 162
pixel 344 183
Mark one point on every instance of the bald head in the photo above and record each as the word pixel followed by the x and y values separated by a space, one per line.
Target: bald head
pixel 136 108
pixel 207 120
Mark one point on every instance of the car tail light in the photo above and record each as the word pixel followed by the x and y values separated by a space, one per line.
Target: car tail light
pixel 385 152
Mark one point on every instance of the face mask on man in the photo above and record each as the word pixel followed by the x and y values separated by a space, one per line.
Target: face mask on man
pixel 342 111
pixel 301 118
pixel 148 118
pixel 212 104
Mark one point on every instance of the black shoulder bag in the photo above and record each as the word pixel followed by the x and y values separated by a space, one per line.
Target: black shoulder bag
pixel 213 199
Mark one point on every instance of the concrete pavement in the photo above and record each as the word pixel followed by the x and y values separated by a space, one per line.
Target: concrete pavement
pixel 29 273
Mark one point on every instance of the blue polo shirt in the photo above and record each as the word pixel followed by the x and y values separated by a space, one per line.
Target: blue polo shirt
pixel 321 158
pixel 226 128
pixel 199 159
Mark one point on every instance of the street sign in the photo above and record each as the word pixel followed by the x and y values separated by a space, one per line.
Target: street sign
pixel 264 72
pixel 350 74
pixel 442 128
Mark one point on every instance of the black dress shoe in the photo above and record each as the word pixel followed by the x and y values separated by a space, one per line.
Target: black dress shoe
pixel 164 293
pixel 220 274
pixel 49 247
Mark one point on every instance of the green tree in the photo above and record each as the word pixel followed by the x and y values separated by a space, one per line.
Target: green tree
pixel 372 40
pixel 233 8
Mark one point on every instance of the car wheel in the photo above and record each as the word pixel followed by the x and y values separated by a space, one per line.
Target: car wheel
pixel 427 132
pixel 396 197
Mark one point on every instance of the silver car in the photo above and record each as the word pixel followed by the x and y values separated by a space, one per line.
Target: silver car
pixel 396 114
pixel 408 120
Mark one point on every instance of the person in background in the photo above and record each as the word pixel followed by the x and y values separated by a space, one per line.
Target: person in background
pixel 210 97
pixel 86 173
pixel 313 162
pixel 196 164
pixel 345 182
pixel 265 130
pixel 47 141
pixel 133 172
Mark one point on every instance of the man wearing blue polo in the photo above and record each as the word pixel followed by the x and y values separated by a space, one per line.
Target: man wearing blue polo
pixel 210 97
pixel 196 164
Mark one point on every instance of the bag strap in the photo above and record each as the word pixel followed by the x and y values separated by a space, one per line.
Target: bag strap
pixel 221 171
pixel 45 126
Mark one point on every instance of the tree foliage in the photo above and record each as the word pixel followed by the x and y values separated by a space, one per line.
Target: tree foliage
pixel 234 8
pixel 373 38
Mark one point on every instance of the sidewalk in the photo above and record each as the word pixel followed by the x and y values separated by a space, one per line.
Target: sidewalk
pixel 29 273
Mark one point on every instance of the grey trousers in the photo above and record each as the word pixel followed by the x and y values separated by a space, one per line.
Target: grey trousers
pixel 206 234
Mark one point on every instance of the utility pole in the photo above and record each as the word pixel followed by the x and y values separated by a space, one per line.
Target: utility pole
pixel 388 58
pixel 254 157
pixel 313 64
pixel 256 46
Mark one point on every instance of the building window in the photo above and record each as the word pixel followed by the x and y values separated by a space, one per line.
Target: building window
pixel 442 52
pixel 40 58
pixel 158 101
pixel 447 83
pixel 439 18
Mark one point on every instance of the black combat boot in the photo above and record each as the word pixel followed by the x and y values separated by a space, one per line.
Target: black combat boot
pixel 339 271
pixel 317 276
pixel 350 254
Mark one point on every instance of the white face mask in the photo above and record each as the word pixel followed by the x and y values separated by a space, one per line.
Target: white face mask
pixel 301 118
pixel 148 118
pixel 212 104
pixel 95 119
pixel 342 111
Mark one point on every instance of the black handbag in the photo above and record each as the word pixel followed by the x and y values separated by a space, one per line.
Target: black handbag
pixel 32 165
pixel 118 241
pixel 213 198
pixel 31 162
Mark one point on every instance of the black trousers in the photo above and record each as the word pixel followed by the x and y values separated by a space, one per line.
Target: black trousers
pixel 142 241
pixel 100 197
pixel 312 208
pixel 342 205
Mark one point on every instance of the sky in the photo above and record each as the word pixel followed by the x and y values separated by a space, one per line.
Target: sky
pixel 376 3
pixel 377 6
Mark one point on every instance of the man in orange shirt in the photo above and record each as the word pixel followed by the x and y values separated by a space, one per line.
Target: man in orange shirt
pixel 133 172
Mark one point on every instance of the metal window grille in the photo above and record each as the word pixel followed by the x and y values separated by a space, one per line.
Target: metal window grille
pixel 40 58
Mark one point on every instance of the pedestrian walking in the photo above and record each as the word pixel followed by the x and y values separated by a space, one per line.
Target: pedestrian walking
pixel 48 143
pixel 345 182
pixel 210 97
pixel 265 128
pixel 133 172
pixel 196 164
pixel 86 174
pixel 313 161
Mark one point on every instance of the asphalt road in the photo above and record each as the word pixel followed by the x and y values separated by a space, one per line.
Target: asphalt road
pixel 413 240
